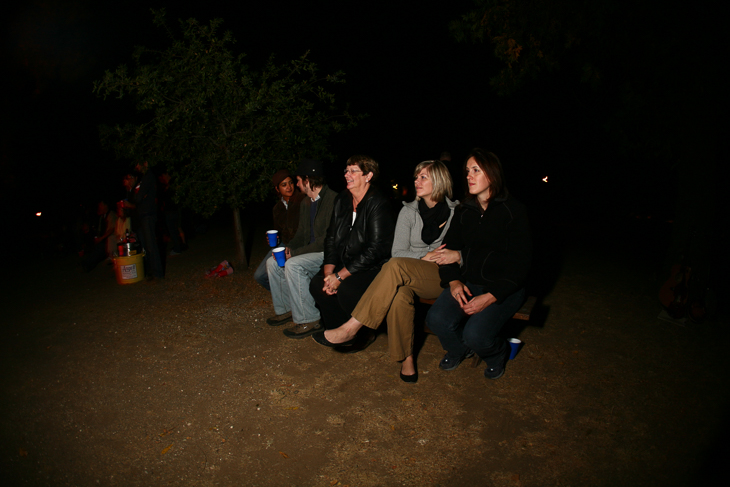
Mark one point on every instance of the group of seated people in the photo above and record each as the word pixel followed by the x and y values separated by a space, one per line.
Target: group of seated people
pixel 350 265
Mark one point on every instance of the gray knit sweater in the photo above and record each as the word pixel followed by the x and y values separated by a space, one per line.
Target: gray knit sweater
pixel 407 241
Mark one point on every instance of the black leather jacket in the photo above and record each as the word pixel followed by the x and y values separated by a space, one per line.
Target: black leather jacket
pixel 366 244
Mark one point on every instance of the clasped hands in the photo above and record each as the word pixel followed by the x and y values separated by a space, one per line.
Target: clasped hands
pixel 331 283
pixel 469 305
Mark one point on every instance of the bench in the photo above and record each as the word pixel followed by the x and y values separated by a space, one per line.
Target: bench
pixel 522 314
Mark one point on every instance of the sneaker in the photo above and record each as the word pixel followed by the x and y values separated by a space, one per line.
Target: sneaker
pixel 173 253
pixel 278 320
pixel 303 330
pixel 450 363
pixel 497 370
pixel 494 372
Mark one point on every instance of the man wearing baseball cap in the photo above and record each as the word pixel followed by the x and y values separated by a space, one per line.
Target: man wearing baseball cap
pixel 305 255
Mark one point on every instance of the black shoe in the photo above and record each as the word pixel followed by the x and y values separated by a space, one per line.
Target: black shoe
pixel 303 330
pixel 493 372
pixel 409 378
pixel 497 370
pixel 322 340
pixel 360 343
pixel 278 320
pixel 450 363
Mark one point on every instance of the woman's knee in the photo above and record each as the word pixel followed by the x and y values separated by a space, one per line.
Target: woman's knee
pixel 443 317
pixel 475 337
pixel 316 285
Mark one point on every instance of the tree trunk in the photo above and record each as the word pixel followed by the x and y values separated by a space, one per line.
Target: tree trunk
pixel 238 230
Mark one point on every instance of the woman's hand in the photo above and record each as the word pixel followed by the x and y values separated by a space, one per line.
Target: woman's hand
pixel 480 303
pixel 460 292
pixel 446 256
pixel 433 255
pixel 331 283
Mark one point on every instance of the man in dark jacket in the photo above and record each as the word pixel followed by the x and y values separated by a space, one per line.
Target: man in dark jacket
pixel 145 203
pixel 305 254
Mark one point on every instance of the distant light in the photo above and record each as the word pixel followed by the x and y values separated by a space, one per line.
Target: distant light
pixel 395 186
pixel 38 214
pixel 544 180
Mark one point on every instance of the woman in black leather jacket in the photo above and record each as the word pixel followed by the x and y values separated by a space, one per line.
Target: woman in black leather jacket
pixel 358 243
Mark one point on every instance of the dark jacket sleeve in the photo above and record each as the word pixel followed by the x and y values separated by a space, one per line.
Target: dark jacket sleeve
pixel 454 241
pixel 302 234
pixel 513 264
pixel 291 221
pixel 321 222
pixel 340 212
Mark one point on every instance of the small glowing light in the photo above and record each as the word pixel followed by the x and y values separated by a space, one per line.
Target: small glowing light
pixel 38 214
pixel 544 180
pixel 395 186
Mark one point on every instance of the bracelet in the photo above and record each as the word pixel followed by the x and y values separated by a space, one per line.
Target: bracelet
pixel 337 275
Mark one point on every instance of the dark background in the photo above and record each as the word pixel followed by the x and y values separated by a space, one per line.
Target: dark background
pixel 424 93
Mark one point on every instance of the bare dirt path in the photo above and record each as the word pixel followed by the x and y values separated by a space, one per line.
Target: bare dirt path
pixel 183 383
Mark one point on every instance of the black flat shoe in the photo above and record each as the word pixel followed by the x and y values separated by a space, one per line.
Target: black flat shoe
pixel 409 378
pixel 357 344
pixel 322 340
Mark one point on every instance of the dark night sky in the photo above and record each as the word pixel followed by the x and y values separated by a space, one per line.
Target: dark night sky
pixel 424 93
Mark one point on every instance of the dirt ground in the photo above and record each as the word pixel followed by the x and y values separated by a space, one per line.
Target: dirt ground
pixel 182 383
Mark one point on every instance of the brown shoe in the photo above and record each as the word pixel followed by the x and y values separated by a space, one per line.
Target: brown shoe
pixel 278 320
pixel 303 330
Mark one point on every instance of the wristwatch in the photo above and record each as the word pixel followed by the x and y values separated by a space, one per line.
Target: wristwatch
pixel 337 275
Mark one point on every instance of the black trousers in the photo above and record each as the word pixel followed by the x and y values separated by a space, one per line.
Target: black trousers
pixel 336 309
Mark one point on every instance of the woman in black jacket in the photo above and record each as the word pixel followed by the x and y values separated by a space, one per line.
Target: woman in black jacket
pixel 483 268
pixel 358 243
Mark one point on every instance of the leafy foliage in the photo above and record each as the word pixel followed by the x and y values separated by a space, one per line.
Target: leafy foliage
pixel 529 37
pixel 221 128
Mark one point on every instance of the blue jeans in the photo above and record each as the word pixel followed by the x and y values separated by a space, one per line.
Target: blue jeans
pixel 459 332
pixel 290 286
pixel 260 275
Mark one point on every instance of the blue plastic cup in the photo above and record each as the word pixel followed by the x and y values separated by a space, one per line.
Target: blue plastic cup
pixel 515 346
pixel 280 255
pixel 273 236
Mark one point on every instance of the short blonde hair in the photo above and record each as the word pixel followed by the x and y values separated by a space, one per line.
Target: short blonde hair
pixel 440 178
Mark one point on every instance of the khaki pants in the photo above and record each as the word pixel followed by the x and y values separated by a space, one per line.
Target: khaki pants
pixel 392 296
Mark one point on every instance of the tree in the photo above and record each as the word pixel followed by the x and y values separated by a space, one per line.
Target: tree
pixel 653 70
pixel 220 128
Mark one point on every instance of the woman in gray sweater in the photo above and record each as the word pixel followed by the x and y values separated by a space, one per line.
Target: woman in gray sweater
pixel 413 270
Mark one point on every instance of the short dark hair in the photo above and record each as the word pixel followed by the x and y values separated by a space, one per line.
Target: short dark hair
pixel 314 181
pixel 366 165
pixel 489 163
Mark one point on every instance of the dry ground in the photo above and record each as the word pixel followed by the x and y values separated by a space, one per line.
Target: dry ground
pixel 183 383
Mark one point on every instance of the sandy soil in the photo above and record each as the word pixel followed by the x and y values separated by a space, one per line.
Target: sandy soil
pixel 182 383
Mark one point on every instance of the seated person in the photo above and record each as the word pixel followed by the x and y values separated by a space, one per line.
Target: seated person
pixel 411 272
pixel 286 218
pixel 304 255
pixel 358 243
pixel 483 267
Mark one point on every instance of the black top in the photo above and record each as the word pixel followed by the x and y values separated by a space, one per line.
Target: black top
pixel 364 245
pixel 495 246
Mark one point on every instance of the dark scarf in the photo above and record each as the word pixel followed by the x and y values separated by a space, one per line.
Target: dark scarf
pixel 433 220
